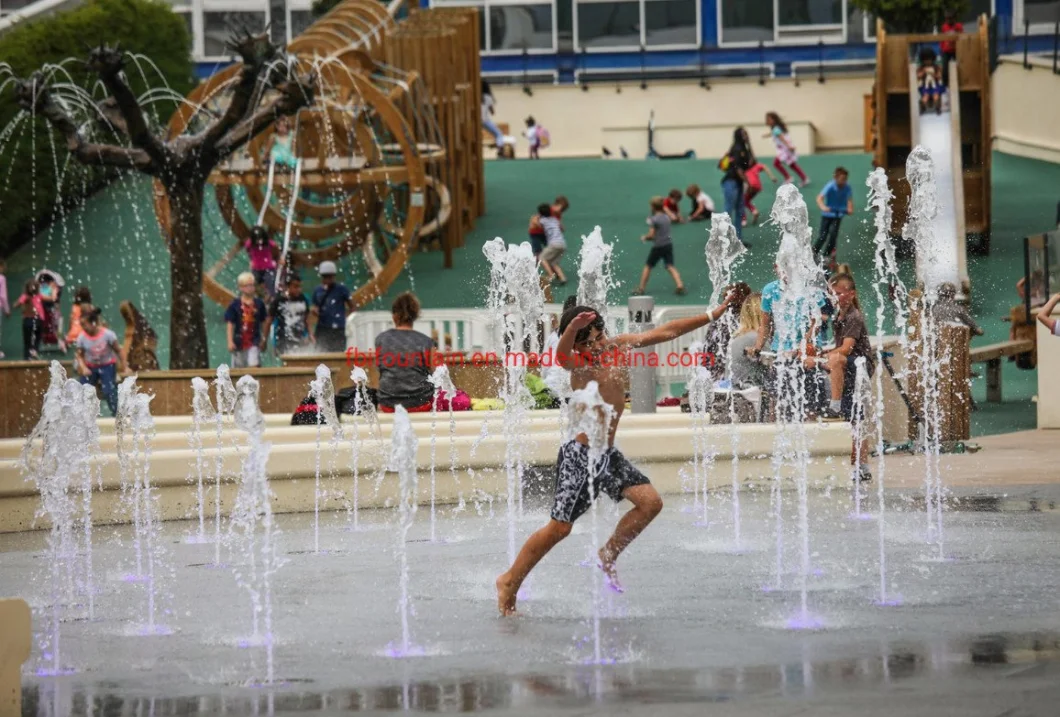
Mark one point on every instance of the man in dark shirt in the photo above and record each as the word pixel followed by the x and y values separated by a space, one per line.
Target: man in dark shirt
pixel 331 301
pixel 289 313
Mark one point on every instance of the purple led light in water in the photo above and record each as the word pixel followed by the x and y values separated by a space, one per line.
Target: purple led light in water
pixel 805 622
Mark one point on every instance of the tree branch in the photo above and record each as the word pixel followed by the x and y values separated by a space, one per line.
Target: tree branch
pixel 108 63
pixel 257 53
pixel 34 95
pixel 293 96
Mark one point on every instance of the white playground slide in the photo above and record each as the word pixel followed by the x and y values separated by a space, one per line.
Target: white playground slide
pixel 946 260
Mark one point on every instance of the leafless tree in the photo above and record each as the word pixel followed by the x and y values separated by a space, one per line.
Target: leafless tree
pixel 265 88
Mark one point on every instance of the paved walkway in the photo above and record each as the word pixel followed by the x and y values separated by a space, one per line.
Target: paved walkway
pixel 1007 459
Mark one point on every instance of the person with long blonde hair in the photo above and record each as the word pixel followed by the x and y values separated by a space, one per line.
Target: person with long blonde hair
pixel 744 369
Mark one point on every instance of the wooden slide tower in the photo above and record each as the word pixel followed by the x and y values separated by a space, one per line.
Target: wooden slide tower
pixel 896 126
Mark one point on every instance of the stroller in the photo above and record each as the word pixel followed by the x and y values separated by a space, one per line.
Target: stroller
pixel 52 332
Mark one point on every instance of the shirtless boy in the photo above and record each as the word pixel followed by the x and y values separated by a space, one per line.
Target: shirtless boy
pixel 590 355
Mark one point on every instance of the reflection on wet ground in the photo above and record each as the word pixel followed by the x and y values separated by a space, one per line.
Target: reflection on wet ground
pixel 943 663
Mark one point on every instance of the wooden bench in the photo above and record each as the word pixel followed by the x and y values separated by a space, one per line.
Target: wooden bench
pixel 991 355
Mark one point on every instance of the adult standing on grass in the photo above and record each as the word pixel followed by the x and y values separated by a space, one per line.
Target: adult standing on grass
pixel 735 164
pixel 331 301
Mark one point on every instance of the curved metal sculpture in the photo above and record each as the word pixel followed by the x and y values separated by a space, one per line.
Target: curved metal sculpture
pixel 370 182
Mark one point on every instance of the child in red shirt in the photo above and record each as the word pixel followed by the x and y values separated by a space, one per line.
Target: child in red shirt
pixel 672 205
pixel 32 320
pixel 754 186
pixel 537 232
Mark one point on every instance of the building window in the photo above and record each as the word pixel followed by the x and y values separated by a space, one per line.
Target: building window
pixel 1040 15
pixel 801 13
pixel 218 27
pixel 671 22
pixel 189 22
pixel 607 25
pixel 510 27
pixel 521 27
pixel 300 22
pixel 633 24
pixel 975 9
pixel 746 21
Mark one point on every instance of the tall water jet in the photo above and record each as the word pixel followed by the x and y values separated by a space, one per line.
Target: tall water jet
pixel 885 270
pixel 514 294
pixel 858 419
pixel 919 229
pixel 443 384
pixel 404 444
pixel 251 525
pixel 724 252
pixel 135 425
pixel 202 413
pixel 86 434
pixel 323 391
pixel 595 274
pixel 363 411
pixel 50 458
pixel 226 403
pixel 801 283
pixel 700 399
pixel 591 415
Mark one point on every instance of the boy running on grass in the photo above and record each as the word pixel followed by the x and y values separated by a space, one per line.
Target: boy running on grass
pixel 590 355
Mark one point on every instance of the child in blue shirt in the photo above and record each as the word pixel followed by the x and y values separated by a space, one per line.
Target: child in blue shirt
pixel 834 201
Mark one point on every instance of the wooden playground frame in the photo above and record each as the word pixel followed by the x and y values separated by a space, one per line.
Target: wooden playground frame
pixel 896 105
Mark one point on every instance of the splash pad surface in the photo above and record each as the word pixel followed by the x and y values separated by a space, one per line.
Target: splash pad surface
pixel 699 622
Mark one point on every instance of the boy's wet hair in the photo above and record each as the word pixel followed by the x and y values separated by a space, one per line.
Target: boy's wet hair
pixel 544 210
pixel 583 334
pixel 737 293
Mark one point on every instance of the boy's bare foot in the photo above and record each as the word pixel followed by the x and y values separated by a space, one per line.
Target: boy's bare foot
pixel 506 594
pixel 607 564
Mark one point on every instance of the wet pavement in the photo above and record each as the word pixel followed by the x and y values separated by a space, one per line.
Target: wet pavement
pixel 701 628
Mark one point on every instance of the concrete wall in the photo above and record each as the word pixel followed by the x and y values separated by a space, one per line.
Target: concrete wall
pixel 659 443
pixel 1048 370
pixel 824 117
pixel 1026 108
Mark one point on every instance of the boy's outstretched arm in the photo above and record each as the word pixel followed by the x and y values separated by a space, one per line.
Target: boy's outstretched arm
pixel 671 329
pixel 1044 313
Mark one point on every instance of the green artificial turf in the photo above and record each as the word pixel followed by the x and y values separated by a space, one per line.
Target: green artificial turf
pixel 114 246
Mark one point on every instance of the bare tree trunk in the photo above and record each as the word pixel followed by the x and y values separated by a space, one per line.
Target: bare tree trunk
pixel 187 326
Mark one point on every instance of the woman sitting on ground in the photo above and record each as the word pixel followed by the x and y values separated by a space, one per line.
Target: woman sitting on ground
pixel 403 356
